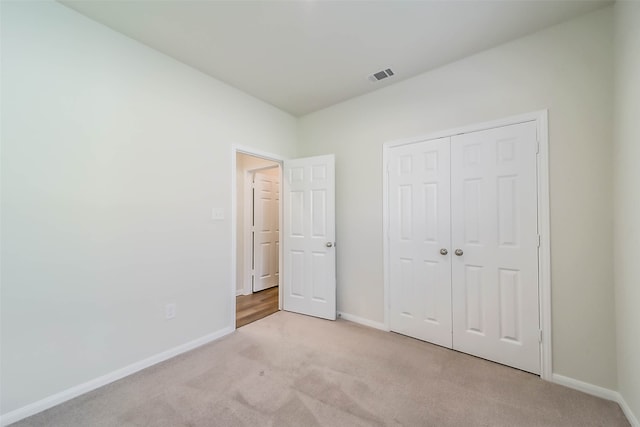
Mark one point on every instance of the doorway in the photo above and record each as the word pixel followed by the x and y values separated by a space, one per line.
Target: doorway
pixel 306 229
pixel 257 237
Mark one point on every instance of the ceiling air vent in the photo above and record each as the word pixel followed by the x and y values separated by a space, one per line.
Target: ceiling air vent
pixel 380 75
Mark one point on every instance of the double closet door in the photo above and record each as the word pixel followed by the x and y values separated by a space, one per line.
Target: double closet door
pixel 463 243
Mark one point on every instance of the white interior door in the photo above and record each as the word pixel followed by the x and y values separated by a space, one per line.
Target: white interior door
pixel 266 202
pixel 495 271
pixel 309 236
pixel 420 241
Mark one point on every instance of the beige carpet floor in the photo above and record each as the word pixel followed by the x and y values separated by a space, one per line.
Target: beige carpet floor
pixel 292 370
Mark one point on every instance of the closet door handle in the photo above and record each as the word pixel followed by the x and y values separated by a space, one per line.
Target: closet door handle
pixel 443 251
pixel 458 252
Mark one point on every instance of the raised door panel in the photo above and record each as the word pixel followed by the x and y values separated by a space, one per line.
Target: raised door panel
pixel 494 223
pixel 309 225
pixel 419 227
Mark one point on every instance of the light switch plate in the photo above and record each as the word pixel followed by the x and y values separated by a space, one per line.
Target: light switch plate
pixel 170 311
pixel 217 214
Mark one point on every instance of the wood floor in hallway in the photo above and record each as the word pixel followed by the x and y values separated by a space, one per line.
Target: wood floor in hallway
pixel 250 308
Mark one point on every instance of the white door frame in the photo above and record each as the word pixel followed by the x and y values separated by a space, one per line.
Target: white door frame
pixel 248 254
pixel 544 252
pixel 235 149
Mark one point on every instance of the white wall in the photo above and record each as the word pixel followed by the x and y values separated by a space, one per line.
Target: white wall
pixel 244 164
pixel 627 198
pixel 113 156
pixel 567 69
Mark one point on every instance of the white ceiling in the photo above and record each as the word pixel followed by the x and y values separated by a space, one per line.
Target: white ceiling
pixel 302 56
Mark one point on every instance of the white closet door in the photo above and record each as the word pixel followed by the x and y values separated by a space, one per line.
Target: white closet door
pixel 266 200
pixel 419 229
pixel 494 225
pixel 309 236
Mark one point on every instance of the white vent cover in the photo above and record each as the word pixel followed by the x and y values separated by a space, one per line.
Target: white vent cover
pixel 380 75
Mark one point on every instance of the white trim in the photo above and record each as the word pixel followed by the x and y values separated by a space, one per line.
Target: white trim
pixel 63 396
pixel 597 391
pixel 544 251
pixel 231 321
pixel 235 148
pixel 385 235
pixel 585 387
pixel 362 321
pixel 633 420
pixel 544 254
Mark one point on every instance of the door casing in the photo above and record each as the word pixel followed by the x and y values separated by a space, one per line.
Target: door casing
pixel 235 149
pixel 544 253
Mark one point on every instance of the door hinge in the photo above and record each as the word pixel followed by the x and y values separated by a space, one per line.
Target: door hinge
pixel 540 336
pixel 539 240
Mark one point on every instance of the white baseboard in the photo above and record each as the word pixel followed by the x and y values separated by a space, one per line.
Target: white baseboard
pixel 584 387
pixel 633 420
pixel 63 396
pixel 362 321
pixel 598 391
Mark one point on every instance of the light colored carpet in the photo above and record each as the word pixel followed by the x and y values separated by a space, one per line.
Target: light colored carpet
pixel 292 370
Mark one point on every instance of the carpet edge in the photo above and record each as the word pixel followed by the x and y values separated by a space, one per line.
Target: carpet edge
pixel 362 321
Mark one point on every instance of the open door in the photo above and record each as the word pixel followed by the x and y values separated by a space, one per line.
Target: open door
pixel 309 236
